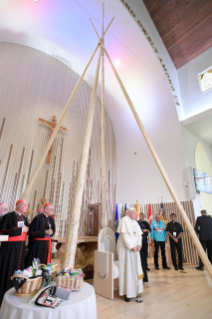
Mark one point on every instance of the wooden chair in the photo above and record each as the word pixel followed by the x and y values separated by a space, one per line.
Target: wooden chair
pixel 106 264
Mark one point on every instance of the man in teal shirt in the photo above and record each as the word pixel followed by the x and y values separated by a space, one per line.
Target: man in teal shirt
pixel 158 236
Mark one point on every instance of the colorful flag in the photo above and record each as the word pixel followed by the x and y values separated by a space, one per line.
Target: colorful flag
pixel 163 218
pixel 161 208
pixel 137 207
pixel 150 217
pixel 116 221
pixel 125 208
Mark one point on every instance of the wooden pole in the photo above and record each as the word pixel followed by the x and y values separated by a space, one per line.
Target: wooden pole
pixel 103 200
pixel 103 194
pixel 51 140
pixel 109 25
pixel 95 28
pixel 73 226
pixel 190 229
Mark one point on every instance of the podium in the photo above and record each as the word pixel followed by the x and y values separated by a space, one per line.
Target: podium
pixel 94 219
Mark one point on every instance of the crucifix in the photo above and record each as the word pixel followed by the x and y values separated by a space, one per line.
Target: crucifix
pixel 43 202
pixel 52 126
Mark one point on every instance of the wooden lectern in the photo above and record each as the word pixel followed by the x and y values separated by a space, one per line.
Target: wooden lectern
pixel 94 220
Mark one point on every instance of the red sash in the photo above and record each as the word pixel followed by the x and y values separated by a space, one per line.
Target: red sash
pixel 49 251
pixel 22 237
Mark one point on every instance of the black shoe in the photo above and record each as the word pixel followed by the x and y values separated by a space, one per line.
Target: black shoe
pixel 166 267
pixel 157 268
pixel 147 268
pixel 127 299
pixel 181 268
pixel 176 268
pixel 138 299
pixel 199 268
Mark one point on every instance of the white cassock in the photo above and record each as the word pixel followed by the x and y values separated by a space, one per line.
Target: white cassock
pixel 130 270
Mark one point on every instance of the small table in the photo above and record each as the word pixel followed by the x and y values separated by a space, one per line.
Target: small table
pixel 84 258
pixel 81 305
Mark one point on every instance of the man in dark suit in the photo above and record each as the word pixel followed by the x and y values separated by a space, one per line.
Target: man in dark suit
pixel 175 231
pixel 145 227
pixel 203 227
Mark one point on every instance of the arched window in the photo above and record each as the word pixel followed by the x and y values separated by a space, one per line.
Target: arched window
pixel 205 80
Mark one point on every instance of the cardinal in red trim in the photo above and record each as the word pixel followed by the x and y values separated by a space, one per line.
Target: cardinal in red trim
pixel 41 229
pixel 12 254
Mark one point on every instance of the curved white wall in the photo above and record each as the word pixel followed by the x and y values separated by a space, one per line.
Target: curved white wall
pixel 190 142
pixel 203 164
pixel 35 85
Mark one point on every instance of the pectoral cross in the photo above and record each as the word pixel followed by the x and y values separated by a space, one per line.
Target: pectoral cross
pixel 52 126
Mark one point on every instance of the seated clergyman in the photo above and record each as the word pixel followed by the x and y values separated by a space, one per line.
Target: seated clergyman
pixel 129 245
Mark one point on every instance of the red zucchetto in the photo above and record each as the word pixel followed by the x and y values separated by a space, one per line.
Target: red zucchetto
pixel 47 204
pixel 19 202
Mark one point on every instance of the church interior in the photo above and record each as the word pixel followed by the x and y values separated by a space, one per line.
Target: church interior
pixel 106 105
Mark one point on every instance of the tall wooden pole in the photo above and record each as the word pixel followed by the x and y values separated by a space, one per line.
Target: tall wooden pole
pixel 189 227
pixel 103 200
pixel 73 226
pixel 51 140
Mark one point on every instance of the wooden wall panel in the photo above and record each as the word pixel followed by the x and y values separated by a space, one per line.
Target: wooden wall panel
pixel 35 85
pixel 190 255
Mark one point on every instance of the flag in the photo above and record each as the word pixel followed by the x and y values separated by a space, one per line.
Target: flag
pixel 150 217
pixel 125 208
pixel 116 221
pixel 137 208
pixel 163 218
pixel 161 208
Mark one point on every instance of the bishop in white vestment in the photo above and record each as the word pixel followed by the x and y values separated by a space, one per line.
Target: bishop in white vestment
pixel 129 245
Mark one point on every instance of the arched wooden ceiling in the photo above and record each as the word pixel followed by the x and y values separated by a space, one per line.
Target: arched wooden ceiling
pixel 185 27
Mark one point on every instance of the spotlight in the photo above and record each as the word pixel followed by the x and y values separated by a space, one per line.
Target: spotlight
pixel 117 62
pixel 36 1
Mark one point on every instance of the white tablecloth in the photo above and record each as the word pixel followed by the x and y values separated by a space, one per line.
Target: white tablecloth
pixel 81 305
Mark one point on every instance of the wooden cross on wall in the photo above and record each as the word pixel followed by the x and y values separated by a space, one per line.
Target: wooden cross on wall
pixel 52 126
pixel 43 202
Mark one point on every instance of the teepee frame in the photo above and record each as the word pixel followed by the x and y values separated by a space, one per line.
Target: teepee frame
pixel 73 226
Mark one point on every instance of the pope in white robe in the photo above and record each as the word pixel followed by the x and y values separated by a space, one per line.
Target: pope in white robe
pixel 129 245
